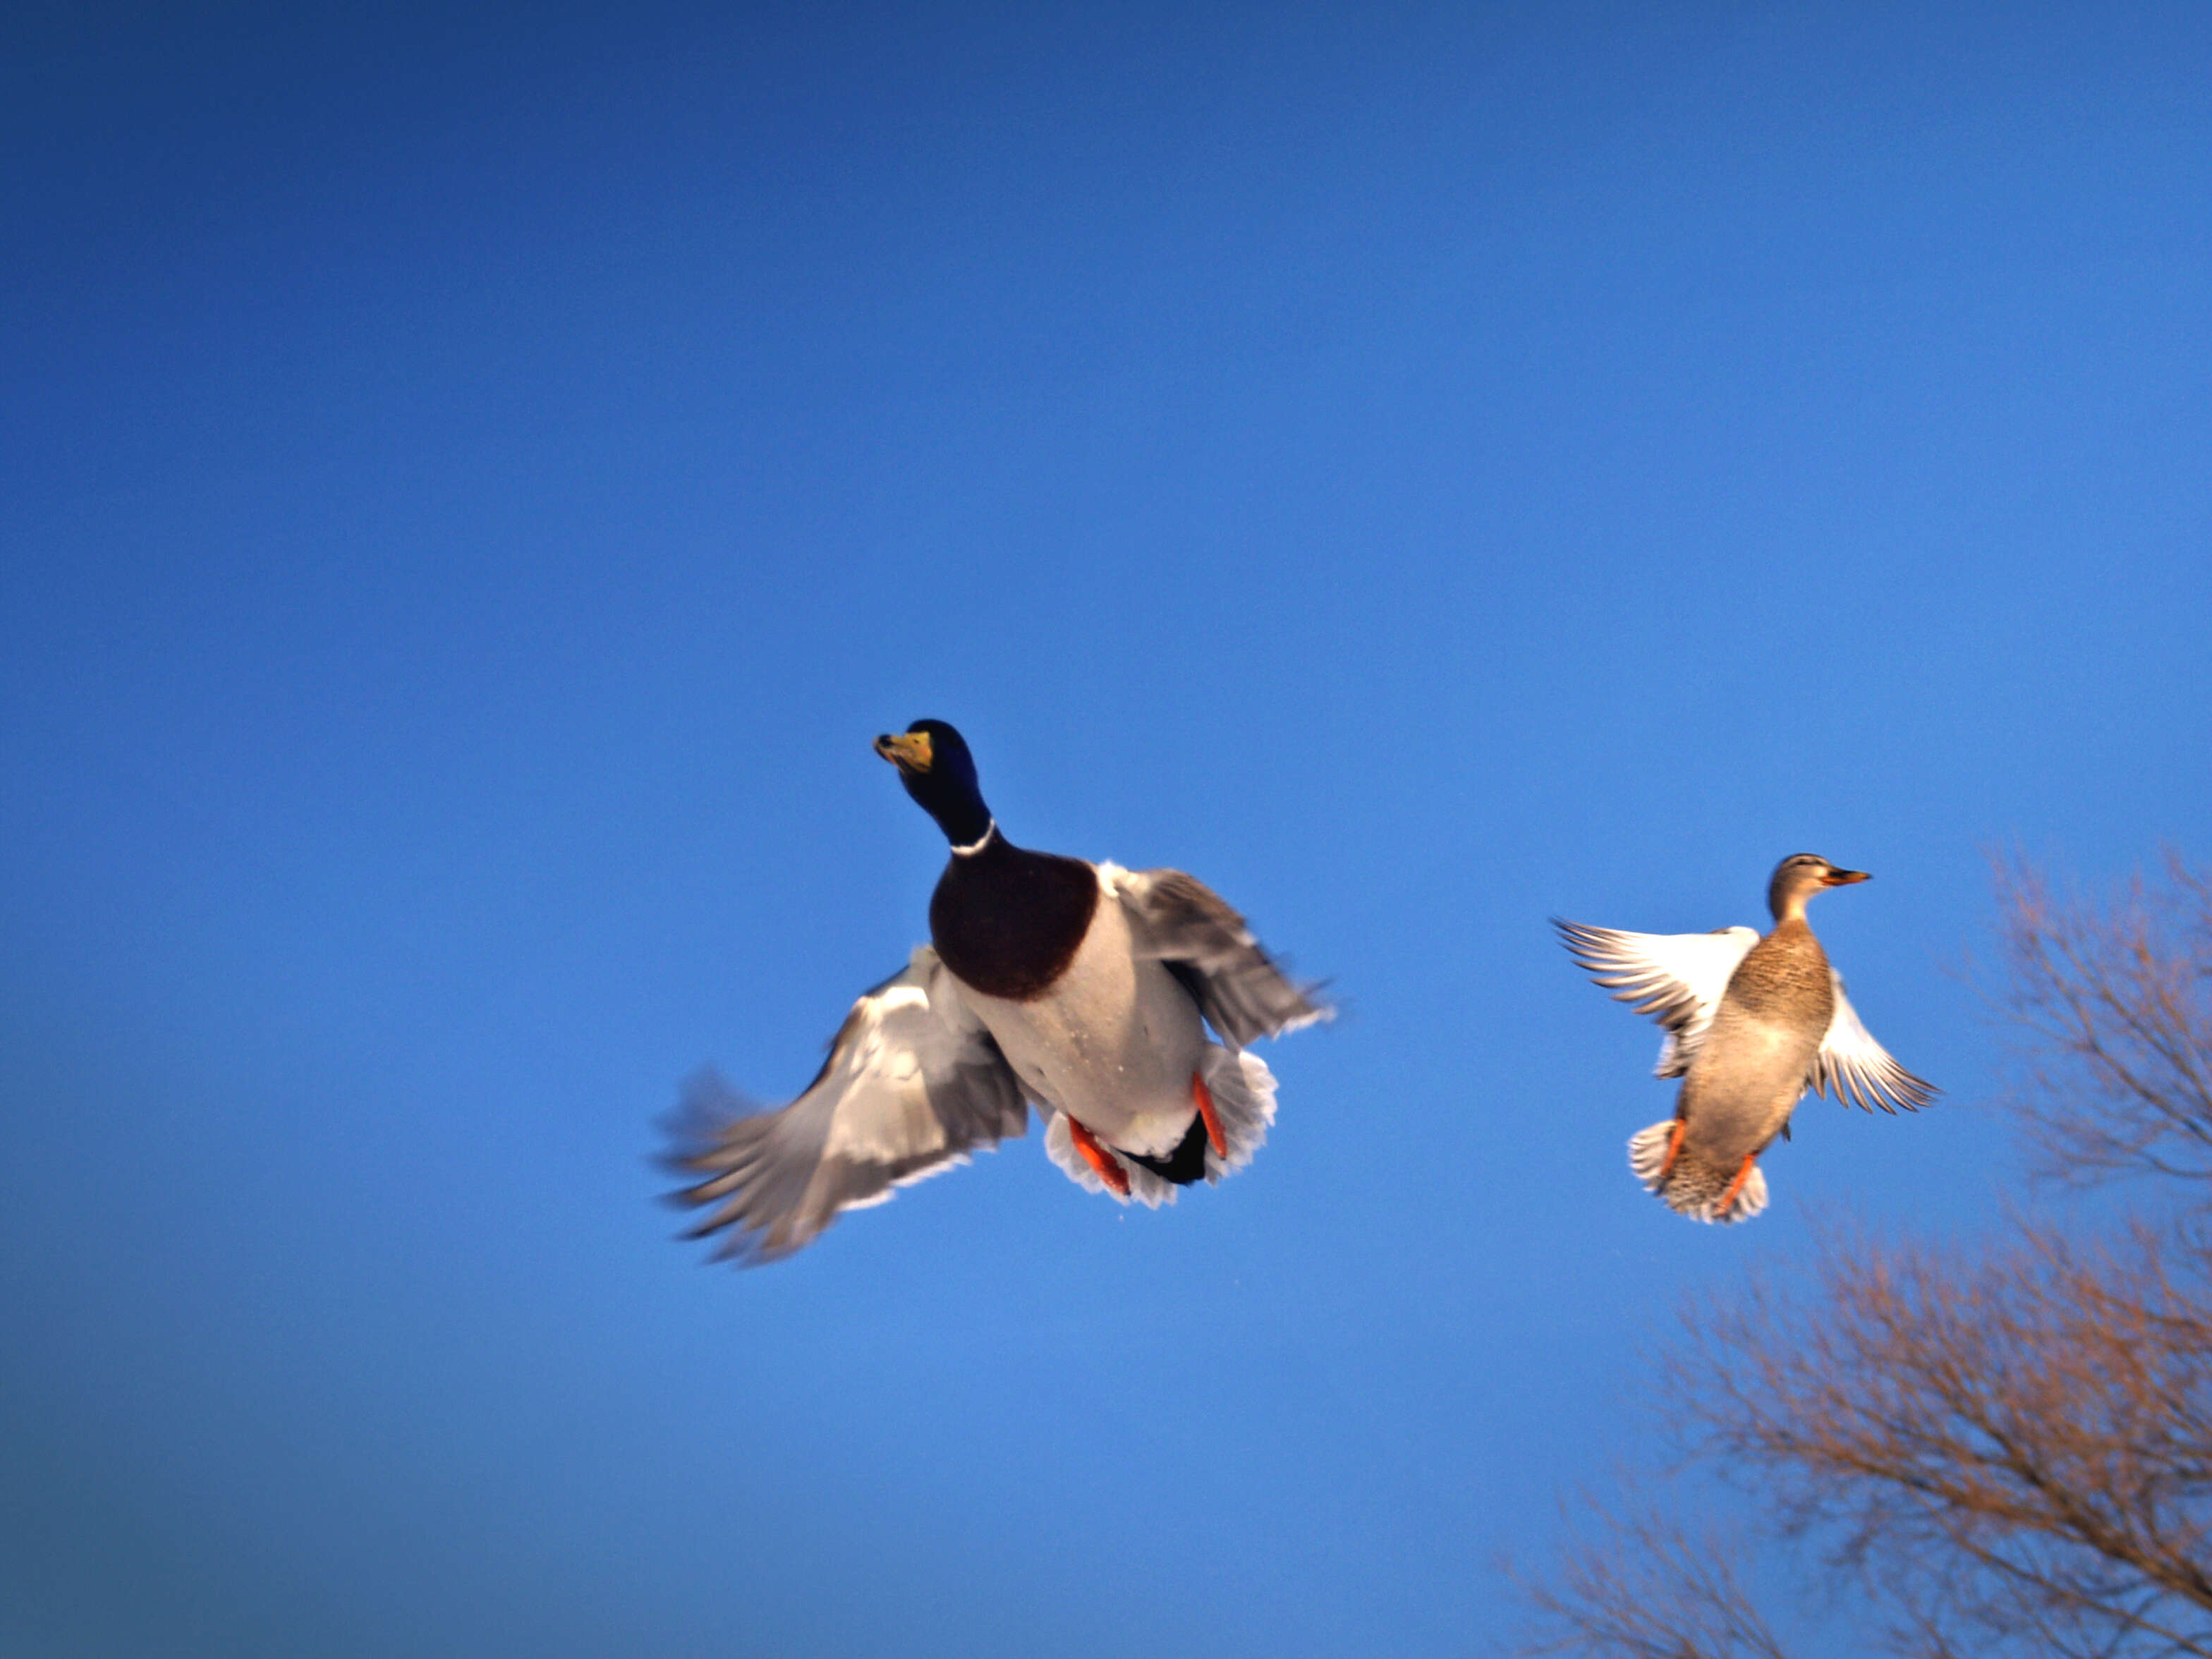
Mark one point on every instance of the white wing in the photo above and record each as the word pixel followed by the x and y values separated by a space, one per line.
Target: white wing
pixel 1851 1060
pixel 1676 978
pixel 912 1081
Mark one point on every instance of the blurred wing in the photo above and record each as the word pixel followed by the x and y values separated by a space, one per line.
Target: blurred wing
pixel 912 1081
pixel 1676 978
pixel 1850 1060
pixel 1179 921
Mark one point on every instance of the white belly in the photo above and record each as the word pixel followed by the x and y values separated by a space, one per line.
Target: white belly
pixel 1113 1044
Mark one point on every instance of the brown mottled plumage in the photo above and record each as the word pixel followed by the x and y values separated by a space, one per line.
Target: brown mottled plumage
pixel 1752 1024
pixel 1751 1068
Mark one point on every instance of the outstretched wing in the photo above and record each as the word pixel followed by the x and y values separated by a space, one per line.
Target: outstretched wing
pixel 1179 921
pixel 1850 1060
pixel 1676 978
pixel 912 1081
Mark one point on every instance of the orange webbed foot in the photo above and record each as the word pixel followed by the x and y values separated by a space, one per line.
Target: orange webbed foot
pixel 1096 1155
pixel 1674 1152
pixel 1204 1096
pixel 1728 1199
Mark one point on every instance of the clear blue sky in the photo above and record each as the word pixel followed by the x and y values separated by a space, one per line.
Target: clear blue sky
pixel 471 481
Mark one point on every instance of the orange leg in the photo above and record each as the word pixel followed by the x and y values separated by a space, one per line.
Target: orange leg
pixel 1674 1152
pixel 1096 1155
pixel 1727 1198
pixel 1204 1096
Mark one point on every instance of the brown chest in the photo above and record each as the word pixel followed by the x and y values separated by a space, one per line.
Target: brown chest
pixel 1784 979
pixel 1008 921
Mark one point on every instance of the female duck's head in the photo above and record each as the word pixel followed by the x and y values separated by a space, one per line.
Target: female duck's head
pixel 1797 878
pixel 938 772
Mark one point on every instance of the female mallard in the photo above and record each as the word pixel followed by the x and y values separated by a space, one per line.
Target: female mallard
pixel 1080 988
pixel 1752 1023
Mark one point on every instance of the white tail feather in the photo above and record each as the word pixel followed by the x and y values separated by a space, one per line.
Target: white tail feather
pixel 1243 1091
pixel 1647 1152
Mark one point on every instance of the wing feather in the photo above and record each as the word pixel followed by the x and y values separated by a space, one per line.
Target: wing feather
pixel 913 1083
pixel 1678 979
pixel 1852 1069
pixel 1178 921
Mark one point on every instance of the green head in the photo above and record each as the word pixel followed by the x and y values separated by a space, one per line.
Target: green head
pixel 938 772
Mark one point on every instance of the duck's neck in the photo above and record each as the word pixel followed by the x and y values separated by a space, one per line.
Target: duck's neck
pixel 969 849
pixel 1787 904
pixel 960 813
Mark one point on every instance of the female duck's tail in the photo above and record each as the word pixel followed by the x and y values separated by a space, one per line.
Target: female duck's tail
pixel 1687 1183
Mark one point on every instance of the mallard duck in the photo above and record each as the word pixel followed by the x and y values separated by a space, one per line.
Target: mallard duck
pixel 1752 1023
pixel 1082 988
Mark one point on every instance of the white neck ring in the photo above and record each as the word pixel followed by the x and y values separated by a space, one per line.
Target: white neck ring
pixel 977 845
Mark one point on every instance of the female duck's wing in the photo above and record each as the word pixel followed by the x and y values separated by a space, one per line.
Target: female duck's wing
pixel 1676 978
pixel 1179 922
pixel 913 1081
pixel 1851 1060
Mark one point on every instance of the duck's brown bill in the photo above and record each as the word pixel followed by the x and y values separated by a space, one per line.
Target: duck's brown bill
pixel 907 750
pixel 1844 878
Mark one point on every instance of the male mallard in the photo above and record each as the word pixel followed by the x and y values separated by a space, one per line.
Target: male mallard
pixel 1075 986
pixel 1752 1023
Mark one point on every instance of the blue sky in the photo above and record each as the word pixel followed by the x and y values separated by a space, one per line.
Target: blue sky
pixel 472 481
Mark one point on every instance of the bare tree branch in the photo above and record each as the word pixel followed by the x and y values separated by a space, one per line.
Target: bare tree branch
pixel 2019 1446
pixel 1635 1584
pixel 2111 1007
